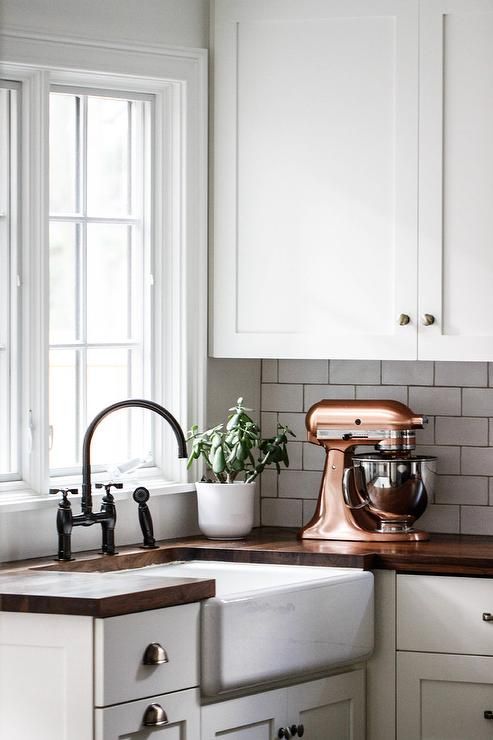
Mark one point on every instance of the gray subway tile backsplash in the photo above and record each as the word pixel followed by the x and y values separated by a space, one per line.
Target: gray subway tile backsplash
pixel 355 372
pixel 457 430
pixel 312 393
pixel 270 371
pixel 392 392
pixel 299 484
pixel 407 373
pixel 282 512
pixel 461 374
pixel 278 397
pixel 469 490
pixel 456 396
pixel 477 460
pixel 477 401
pixel 303 371
pixel 436 401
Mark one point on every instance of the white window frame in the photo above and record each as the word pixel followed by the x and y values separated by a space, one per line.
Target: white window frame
pixel 9 302
pixel 177 79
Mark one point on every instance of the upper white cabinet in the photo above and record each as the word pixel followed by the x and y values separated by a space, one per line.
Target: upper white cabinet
pixel 456 179
pixel 318 212
pixel 315 172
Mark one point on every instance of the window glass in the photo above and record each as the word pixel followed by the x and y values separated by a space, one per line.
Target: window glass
pixel 98 295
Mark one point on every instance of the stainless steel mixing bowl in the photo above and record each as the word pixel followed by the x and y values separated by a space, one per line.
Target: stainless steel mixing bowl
pixel 395 489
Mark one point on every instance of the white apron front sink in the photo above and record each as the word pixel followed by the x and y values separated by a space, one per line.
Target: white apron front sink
pixel 270 622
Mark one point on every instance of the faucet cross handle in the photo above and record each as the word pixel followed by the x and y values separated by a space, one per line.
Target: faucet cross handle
pixel 107 487
pixel 64 492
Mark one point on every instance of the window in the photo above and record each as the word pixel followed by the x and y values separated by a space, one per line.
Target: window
pixel 102 274
pixel 9 238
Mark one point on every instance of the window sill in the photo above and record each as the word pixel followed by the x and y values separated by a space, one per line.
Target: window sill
pixel 23 499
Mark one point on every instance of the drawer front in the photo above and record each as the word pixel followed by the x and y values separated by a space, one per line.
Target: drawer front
pixel 120 644
pixel 181 718
pixel 445 615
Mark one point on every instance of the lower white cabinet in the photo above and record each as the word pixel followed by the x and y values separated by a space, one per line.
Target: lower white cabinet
pixel 76 678
pixel 444 697
pixel 444 658
pixel 328 709
pixel 181 718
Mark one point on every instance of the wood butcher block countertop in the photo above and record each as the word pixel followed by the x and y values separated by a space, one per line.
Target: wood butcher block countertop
pixel 92 584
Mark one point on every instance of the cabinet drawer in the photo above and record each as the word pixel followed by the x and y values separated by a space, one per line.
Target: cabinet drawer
pixel 182 718
pixel 120 644
pixel 444 615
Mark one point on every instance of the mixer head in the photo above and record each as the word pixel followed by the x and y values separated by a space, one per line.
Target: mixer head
pixel 389 425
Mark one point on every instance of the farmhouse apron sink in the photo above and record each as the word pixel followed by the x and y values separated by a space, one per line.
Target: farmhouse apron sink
pixel 270 622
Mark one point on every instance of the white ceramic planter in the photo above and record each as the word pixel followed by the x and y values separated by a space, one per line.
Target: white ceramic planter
pixel 226 510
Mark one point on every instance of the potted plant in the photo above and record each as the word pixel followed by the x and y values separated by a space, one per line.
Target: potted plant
pixel 235 454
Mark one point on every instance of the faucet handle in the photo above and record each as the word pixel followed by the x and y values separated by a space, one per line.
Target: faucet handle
pixel 64 492
pixel 108 486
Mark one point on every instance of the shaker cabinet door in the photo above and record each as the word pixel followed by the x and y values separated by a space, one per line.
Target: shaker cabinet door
pixel 332 708
pixel 444 696
pixel 456 180
pixel 255 717
pixel 315 172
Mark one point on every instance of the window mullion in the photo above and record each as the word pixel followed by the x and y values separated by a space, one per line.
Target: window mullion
pixel 82 353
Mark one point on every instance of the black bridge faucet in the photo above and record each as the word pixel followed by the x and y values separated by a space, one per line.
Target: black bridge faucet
pixel 107 515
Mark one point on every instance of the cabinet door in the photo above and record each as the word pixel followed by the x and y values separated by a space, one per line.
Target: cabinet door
pixel 256 717
pixel 444 696
pixel 46 684
pixel 332 708
pixel 456 179
pixel 315 172
pixel 125 721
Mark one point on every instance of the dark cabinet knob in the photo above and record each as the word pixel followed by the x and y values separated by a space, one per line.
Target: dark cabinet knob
pixel 301 730
pixel 488 714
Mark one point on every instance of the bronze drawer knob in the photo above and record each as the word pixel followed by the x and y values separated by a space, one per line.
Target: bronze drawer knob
pixel 155 654
pixel 154 716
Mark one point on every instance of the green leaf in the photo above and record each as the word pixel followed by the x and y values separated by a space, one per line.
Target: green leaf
pixel 233 421
pixel 218 462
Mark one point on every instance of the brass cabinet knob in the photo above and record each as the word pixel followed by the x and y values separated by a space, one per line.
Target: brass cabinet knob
pixel 404 319
pixel 154 716
pixel 155 654
pixel 428 319
pixel 487 617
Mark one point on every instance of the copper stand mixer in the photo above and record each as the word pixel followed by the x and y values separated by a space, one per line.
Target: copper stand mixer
pixel 368 497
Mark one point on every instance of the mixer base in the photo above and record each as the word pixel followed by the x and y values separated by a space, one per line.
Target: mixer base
pixel 358 535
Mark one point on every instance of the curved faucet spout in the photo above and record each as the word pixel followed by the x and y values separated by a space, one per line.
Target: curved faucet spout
pixel 86 503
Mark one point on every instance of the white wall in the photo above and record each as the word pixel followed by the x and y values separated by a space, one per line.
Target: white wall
pixel 167 22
